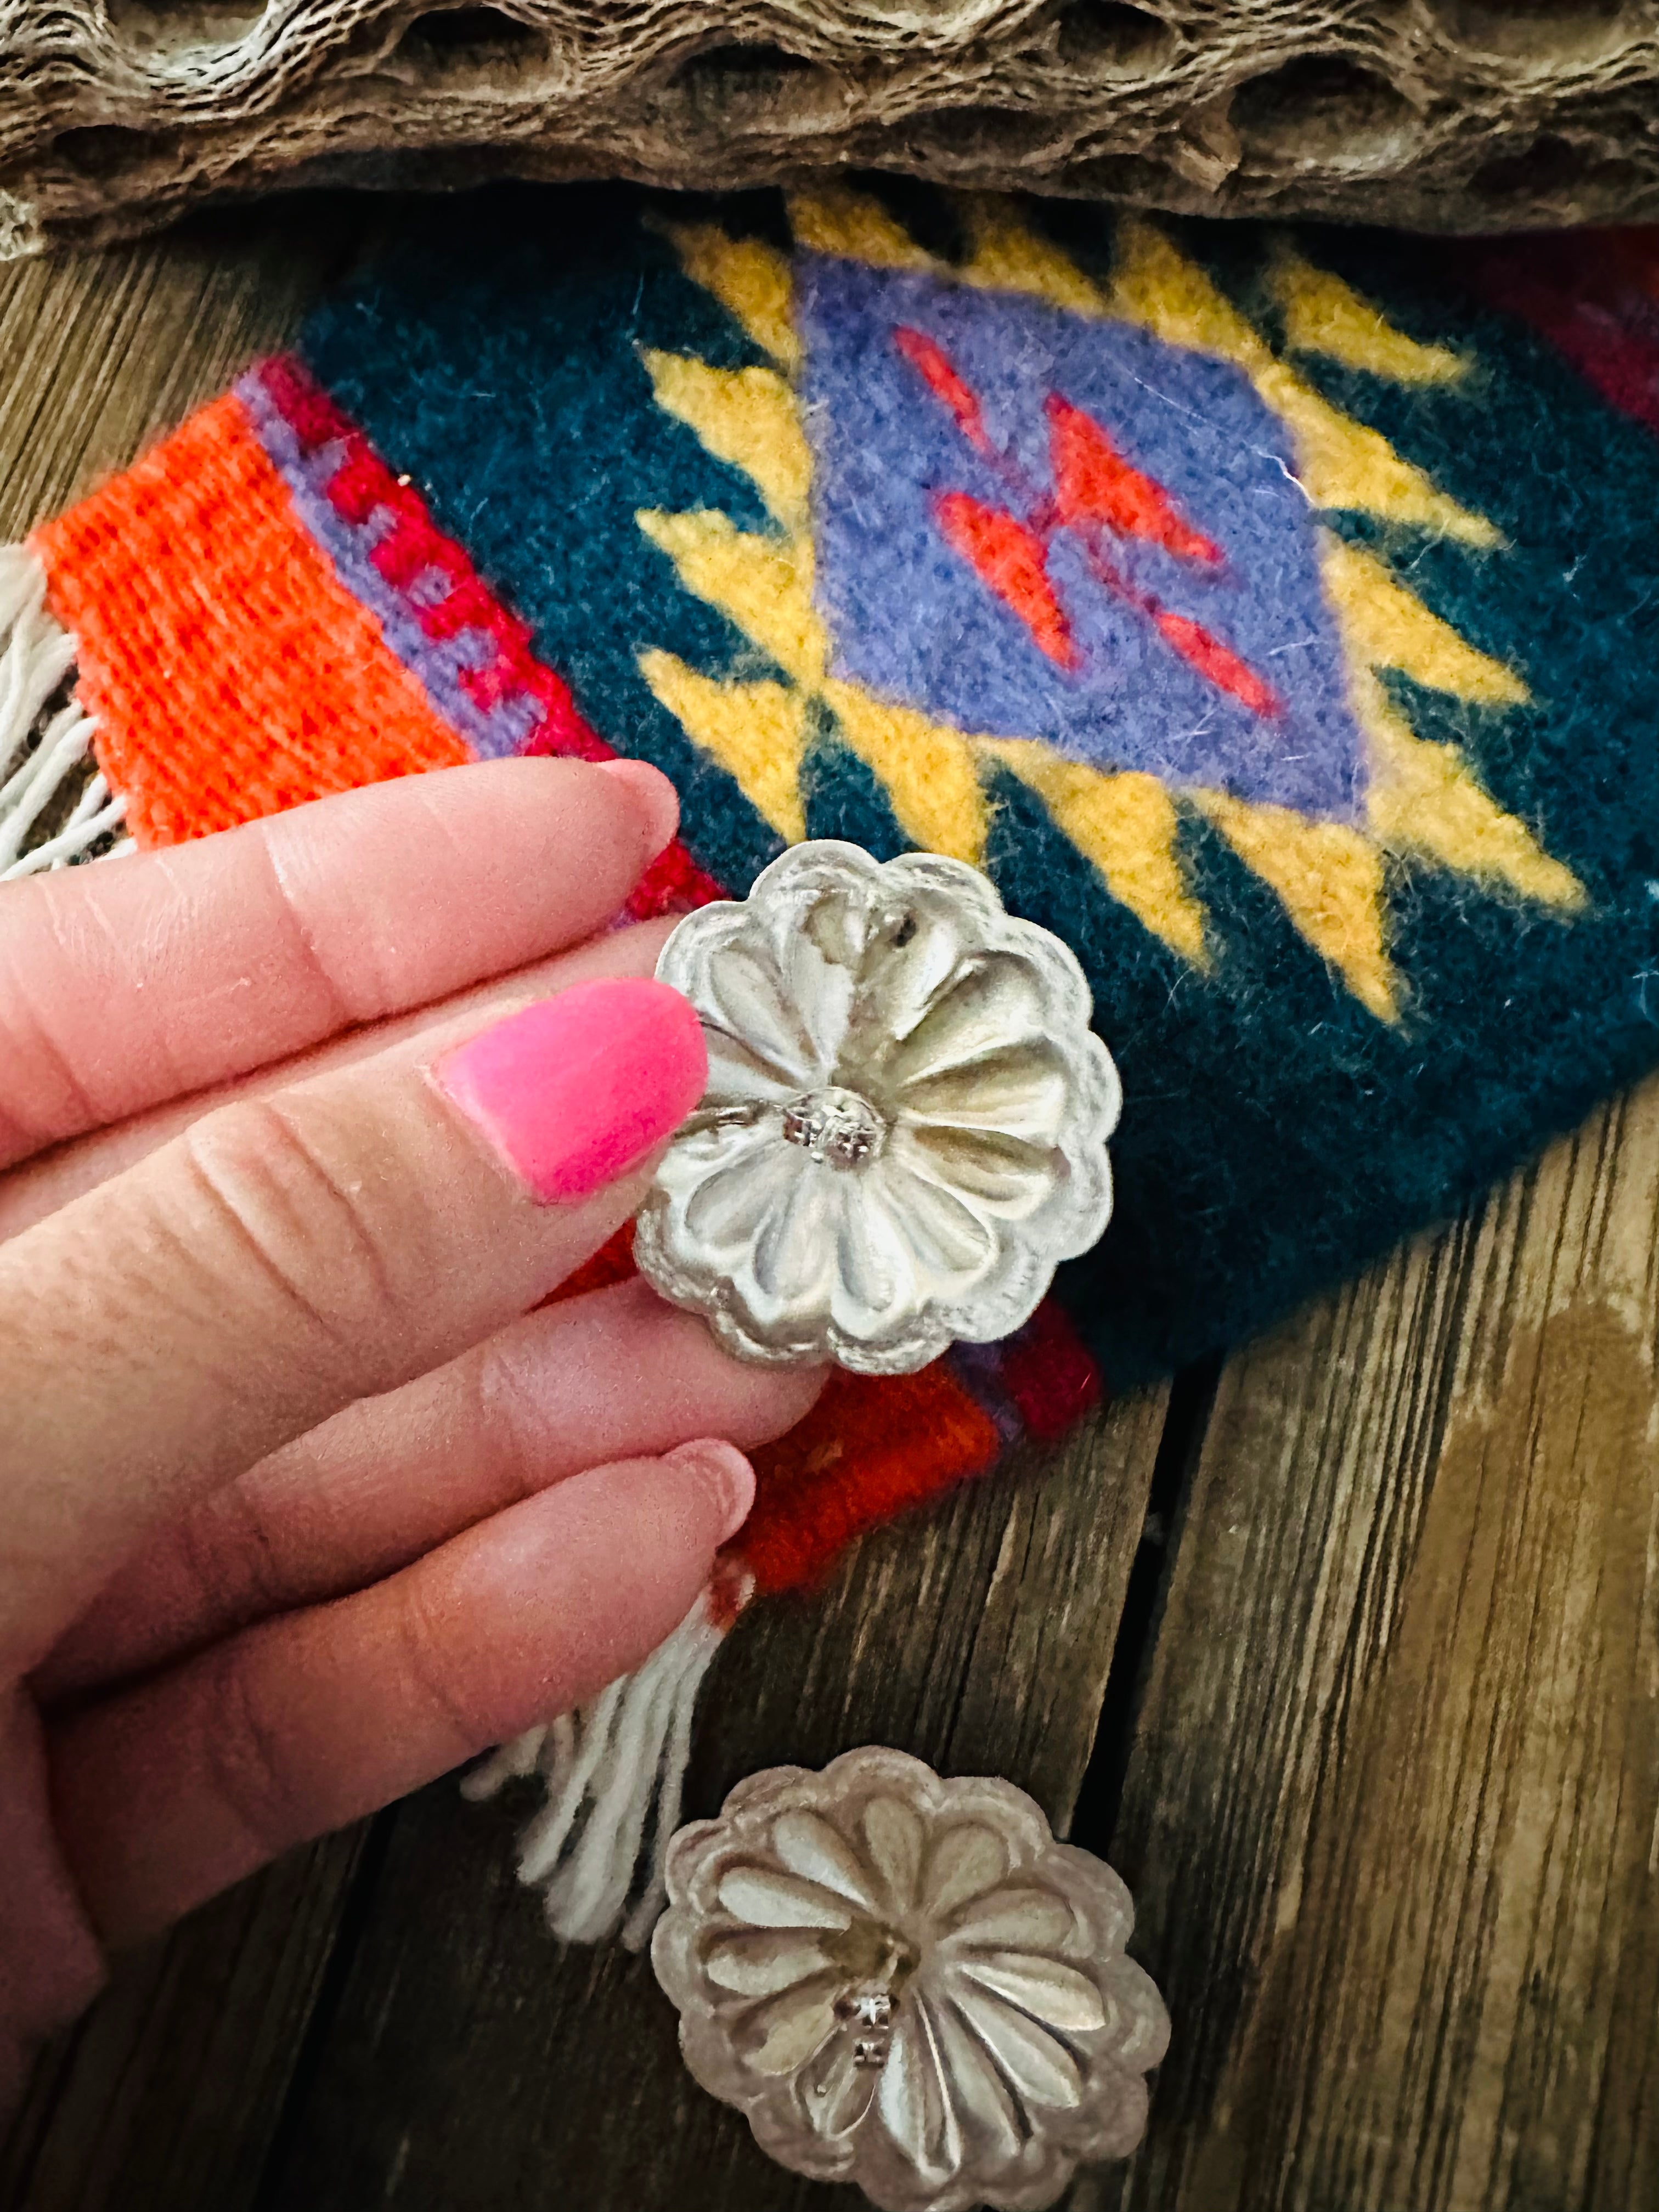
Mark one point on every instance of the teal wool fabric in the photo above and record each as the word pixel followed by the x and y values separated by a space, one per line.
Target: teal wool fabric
pixel 1285 609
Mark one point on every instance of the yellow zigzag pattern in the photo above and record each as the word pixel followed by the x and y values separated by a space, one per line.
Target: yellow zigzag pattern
pixel 1422 798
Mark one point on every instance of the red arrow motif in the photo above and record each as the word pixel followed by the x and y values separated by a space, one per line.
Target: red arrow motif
pixel 1094 484
pixel 1099 496
pixel 1014 561
pixel 938 373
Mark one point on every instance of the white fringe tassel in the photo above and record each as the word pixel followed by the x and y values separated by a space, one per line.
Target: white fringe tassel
pixel 614 1772
pixel 36 655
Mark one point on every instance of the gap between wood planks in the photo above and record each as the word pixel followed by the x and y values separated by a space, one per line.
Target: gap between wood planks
pixel 1191 1396
pixel 1390 1805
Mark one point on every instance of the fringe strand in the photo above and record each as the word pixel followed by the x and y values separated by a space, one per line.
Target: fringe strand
pixel 43 756
pixel 614 1774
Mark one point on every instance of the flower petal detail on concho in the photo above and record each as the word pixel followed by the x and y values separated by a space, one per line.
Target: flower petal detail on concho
pixel 906 1983
pixel 905 1131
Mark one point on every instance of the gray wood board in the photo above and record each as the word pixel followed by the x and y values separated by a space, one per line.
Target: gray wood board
pixel 1392 1808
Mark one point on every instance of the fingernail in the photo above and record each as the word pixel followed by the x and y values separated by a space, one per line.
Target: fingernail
pixel 652 792
pixel 725 1473
pixel 574 1092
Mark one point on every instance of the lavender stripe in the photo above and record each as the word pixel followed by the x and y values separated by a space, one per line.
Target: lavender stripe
pixel 978 1368
pixel 495 733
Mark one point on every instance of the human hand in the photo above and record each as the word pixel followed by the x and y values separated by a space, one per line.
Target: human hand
pixel 303 1504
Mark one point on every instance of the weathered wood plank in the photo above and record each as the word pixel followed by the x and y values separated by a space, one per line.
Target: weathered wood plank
pixel 471 2064
pixel 167 2093
pixel 1391 1811
pixel 104 352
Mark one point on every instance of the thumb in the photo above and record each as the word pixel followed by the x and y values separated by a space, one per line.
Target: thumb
pixel 287 1255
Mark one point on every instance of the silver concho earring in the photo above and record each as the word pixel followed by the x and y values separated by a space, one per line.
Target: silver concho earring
pixel 906 1983
pixel 905 1131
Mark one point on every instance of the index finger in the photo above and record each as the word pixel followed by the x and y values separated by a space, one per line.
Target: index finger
pixel 141 980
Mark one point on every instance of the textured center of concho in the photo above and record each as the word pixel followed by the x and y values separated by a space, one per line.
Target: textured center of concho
pixel 837 1127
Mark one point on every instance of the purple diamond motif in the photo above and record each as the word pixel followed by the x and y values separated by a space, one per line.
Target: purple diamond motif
pixel 927 402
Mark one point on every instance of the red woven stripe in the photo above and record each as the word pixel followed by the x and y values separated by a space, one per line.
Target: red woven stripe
pixel 1048 1375
pixel 231 672
pixel 411 547
pixel 869 1449
pixel 1594 295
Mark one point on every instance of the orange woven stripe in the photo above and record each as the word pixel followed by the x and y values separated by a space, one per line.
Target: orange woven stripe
pixel 230 674
pixel 870 1448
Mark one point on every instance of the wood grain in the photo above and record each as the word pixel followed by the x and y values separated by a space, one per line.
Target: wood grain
pixel 1391 1808
pixel 168 2093
pixel 472 2064
pixel 105 352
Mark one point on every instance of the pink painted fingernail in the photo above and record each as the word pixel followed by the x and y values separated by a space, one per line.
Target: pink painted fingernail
pixel 724 1470
pixel 653 793
pixel 574 1092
